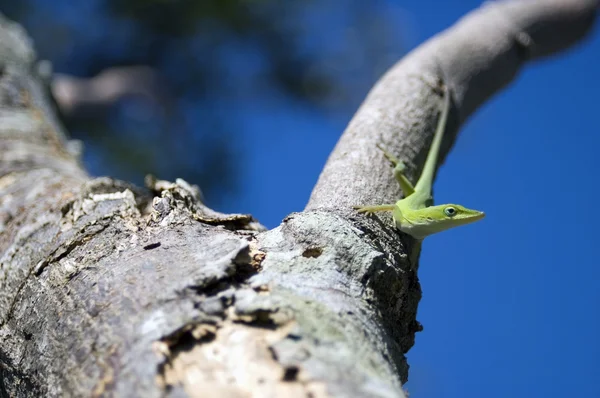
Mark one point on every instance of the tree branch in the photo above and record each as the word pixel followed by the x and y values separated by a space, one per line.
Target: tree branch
pixel 108 289
pixel 478 56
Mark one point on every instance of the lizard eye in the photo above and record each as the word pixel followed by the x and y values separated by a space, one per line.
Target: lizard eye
pixel 450 211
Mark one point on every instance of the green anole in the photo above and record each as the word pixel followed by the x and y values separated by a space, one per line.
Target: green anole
pixel 412 214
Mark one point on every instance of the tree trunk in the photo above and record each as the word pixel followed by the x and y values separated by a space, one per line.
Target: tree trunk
pixel 111 290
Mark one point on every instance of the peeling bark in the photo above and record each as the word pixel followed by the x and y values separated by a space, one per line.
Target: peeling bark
pixel 107 289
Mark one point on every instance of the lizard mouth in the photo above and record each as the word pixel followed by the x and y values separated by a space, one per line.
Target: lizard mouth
pixel 478 216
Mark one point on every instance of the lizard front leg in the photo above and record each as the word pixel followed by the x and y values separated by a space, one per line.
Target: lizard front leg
pixel 399 167
pixel 375 208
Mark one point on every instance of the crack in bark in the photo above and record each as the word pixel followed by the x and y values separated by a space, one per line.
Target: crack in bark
pixel 81 239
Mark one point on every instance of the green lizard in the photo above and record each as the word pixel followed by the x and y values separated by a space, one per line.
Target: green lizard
pixel 413 215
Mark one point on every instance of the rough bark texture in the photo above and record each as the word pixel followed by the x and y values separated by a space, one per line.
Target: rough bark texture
pixel 111 290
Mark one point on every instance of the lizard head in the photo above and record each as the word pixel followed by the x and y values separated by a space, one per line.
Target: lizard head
pixel 430 220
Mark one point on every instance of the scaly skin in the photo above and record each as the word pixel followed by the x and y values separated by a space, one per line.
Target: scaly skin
pixel 411 214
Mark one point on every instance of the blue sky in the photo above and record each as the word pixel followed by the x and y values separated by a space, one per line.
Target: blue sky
pixel 510 304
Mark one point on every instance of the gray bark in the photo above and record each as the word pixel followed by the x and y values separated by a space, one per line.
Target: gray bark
pixel 111 290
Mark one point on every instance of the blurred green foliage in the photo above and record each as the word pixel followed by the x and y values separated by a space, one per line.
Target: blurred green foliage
pixel 211 58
